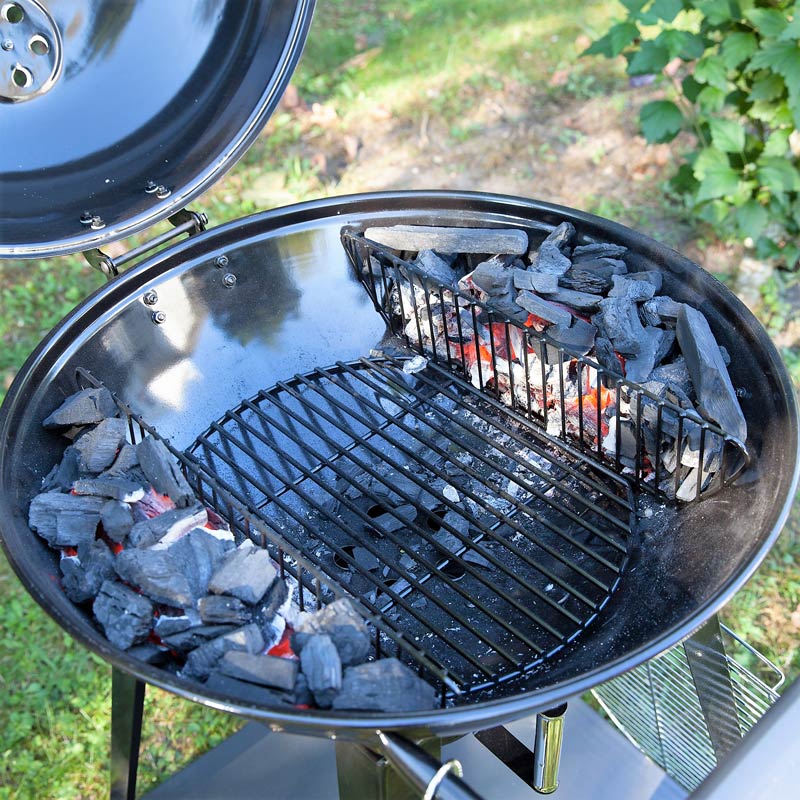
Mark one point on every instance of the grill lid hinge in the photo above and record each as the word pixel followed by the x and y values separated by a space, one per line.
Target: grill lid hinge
pixel 184 221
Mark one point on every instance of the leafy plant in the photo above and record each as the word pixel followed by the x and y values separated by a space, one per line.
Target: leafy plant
pixel 733 68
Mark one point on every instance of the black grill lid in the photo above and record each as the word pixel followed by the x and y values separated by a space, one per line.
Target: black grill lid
pixel 117 113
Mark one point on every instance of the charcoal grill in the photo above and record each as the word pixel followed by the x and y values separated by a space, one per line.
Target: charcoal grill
pixel 261 353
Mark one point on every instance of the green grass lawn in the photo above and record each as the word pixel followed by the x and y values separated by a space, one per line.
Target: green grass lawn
pixel 414 58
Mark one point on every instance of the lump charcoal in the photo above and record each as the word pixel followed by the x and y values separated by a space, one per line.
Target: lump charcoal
pixel 246 573
pixel 124 463
pixel 716 398
pixel 167 527
pixel 577 338
pixel 581 281
pixel 604 268
pixel 450 240
pixel 274 600
pixel 247 692
pixel 652 276
pixel 345 627
pixel 161 470
pixel 115 488
pixel 667 340
pixel 664 308
pixel 675 376
pixel 586 252
pixel 606 357
pixel 86 407
pixel 204 659
pixel 648 316
pixel 157 574
pixel 384 685
pixel 216 609
pixel 633 291
pixel 583 301
pixel 190 638
pixel 434 268
pixel 543 309
pixel 493 277
pixel 553 254
pixel 64 474
pixel 149 654
pixel 76 527
pixel 45 509
pixel 652 341
pixel 620 323
pixel 84 574
pixel 97 448
pixel 397 520
pixel 322 668
pixel 125 616
pixel 117 520
pixel 169 624
pixel 277 673
pixel 534 281
pixel 198 554
pixel 302 694
pixel 477 559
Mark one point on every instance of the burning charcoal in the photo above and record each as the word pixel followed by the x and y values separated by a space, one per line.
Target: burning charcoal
pixel 246 573
pixel 247 692
pixel 125 461
pixel 581 281
pixel 586 252
pixel 631 290
pixel 216 609
pixel 167 527
pixel 62 476
pixel 535 281
pixel 652 344
pixel 65 520
pixel 117 520
pixel 204 659
pixel 649 318
pixel 198 554
pixel 450 240
pixel 573 299
pixel 716 398
pixel 189 639
pixel 414 365
pixel 606 357
pixel 125 616
pixel 343 624
pixel 98 447
pixel 83 408
pixel 157 574
pixel 149 654
pixel 434 268
pixel 115 488
pixel 278 673
pixel 275 599
pixel 688 488
pixel 551 256
pixel 619 322
pixel 577 339
pixel 543 309
pixel 675 376
pixel 493 277
pixel 162 471
pixel 384 685
pixel 322 668
pixel 168 624
pixel 84 574
pixel 665 308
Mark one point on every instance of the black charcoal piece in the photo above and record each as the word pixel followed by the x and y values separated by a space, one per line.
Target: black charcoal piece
pixel 435 268
pixel 384 685
pixel 167 527
pixel 149 653
pixel 573 299
pixel 535 281
pixel 86 407
pixel 302 694
pixel 577 338
pixel 157 574
pixel 582 281
pixel 248 692
pixel 76 527
pixel 170 624
pixel 125 616
pixel 543 309
pixel 604 268
pixel 650 276
pixel 217 609
pixel 115 488
pixel 117 520
pixel 450 240
pixel 47 507
pixel 246 573
pixel 322 668
pixel 204 659
pixel 198 554
pixel 398 519
pixel 162 471
pixel 272 671
pixel 716 397
pixel 84 574
pixel 190 638
pixel 62 476
pixel 635 291
pixel 476 558
pixel 667 340
pixel 345 627
pixel 124 463
pixel 420 602
pixel 585 252
pixel 606 357
pixel 553 254
pixel 271 603
pixel 665 308
pixel 493 277
pixel 638 369
pixel 97 448
pixel 620 323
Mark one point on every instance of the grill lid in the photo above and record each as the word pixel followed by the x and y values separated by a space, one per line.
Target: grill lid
pixel 117 113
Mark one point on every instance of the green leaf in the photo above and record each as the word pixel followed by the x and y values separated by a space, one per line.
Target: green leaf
pixel 708 159
pixel 774 114
pixel 661 121
pixel 727 135
pixel 777 174
pixel 650 58
pixel 717 177
pixel 634 6
pixel 688 46
pixel 717 12
pixel 783 58
pixel 662 9
pixel 690 88
pixel 711 70
pixel 711 99
pixel 777 143
pixel 769 87
pixel 769 22
pixel 792 30
pixel 715 213
pixel 683 181
pixel 751 219
pixel 737 47
pixel 615 41
pixel 744 191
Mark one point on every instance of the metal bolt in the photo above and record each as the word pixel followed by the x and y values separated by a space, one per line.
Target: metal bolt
pixel 222 261
pixel 150 187
pixel 228 279
pixel 150 297
pixel 158 317
pixel 86 218
pixel 162 192
pixel 97 223
pixel 7 44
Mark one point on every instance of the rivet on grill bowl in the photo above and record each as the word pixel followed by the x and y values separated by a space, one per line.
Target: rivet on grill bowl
pixel 158 317
pixel 96 223
pixel 228 279
pixel 86 218
pixel 150 297
pixel 162 192
pixel 7 45
pixel 221 261
pixel 150 187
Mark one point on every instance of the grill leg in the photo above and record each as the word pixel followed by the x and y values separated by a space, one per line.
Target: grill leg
pixel 127 706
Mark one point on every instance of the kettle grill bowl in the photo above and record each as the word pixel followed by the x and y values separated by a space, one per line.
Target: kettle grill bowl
pixel 296 305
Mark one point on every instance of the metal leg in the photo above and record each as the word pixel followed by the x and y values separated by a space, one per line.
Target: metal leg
pixel 705 653
pixel 127 706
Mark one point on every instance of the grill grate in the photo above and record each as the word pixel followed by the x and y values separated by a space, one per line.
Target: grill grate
pixel 510 360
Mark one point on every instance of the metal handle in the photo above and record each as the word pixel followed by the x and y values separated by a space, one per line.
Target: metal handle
pixel 547 749
pixel 423 772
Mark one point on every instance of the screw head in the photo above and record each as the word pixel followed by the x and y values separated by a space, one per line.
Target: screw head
pixel 221 261
pixel 150 187
pixel 97 223
pixel 162 192
pixel 228 280
pixel 86 218
pixel 159 317
pixel 7 45
pixel 150 297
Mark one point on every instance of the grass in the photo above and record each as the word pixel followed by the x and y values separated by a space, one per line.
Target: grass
pixel 410 58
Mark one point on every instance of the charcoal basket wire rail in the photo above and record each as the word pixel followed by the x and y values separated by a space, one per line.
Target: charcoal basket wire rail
pixel 514 362
pixel 475 547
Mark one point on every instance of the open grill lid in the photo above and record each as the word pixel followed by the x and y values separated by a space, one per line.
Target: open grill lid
pixel 117 113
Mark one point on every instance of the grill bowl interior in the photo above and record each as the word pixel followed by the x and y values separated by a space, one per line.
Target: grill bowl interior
pixel 296 306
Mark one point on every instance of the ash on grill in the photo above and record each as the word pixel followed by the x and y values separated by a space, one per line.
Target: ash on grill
pixel 519 323
pixel 167 582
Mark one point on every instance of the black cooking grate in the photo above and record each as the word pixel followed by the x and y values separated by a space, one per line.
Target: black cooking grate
pixel 514 362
